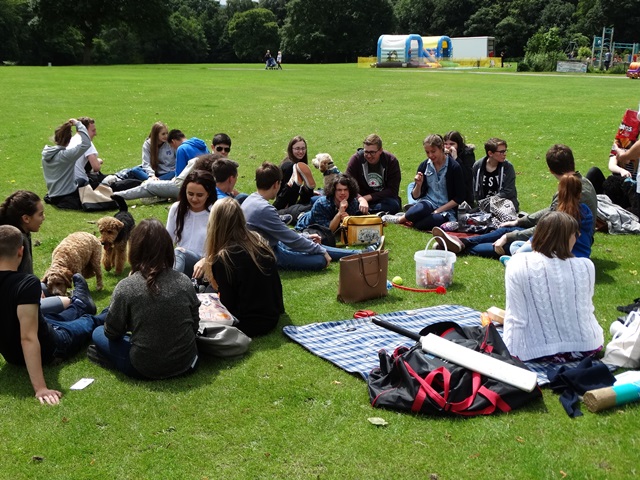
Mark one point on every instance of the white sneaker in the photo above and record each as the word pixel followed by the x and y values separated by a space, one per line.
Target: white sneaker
pixel 392 218
pixel 109 180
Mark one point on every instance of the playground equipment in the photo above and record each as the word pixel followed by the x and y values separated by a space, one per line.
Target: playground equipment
pixel 410 51
pixel 605 43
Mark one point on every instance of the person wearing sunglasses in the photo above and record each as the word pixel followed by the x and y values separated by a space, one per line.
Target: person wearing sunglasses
pixel 494 174
pixel 377 173
pixel 221 144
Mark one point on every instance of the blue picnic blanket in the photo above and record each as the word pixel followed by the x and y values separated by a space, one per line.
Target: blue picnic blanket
pixel 353 345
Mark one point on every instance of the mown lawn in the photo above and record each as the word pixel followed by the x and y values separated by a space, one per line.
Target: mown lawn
pixel 280 412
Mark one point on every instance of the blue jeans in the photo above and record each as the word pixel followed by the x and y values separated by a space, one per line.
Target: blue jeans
pixel 139 174
pixel 185 260
pixel 51 305
pixel 482 245
pixel 422 216
pixel 391 205
pixel 117 351
pixel 288 259
pixel 71 329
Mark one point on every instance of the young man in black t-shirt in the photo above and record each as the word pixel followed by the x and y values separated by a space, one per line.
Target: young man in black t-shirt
pixel 26 337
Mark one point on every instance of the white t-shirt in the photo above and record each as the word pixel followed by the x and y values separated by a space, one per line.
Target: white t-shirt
pixel 194 230
pixel 79 172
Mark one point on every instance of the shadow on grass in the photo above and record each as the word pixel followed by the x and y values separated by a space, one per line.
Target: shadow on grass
pixel 603 266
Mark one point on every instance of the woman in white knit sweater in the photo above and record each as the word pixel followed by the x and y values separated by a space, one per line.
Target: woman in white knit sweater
pixel 549 309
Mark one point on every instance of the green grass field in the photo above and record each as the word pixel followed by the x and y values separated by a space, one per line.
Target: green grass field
pixel 281 412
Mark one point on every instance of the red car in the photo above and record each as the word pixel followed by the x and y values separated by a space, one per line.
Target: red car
pixel 634 70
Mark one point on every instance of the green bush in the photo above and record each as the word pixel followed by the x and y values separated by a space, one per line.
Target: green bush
pixel 543 62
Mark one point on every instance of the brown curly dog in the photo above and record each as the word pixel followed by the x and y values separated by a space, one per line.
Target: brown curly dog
pixel 114 235
pixel 79 252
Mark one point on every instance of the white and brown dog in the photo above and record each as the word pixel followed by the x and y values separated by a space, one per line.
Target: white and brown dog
pixel 324 163
pixel 79 252
pixel 114 235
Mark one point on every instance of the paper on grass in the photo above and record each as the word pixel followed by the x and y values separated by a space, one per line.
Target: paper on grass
pixel 82 383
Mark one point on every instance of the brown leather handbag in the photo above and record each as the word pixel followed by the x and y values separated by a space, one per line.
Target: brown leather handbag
pixel 363 276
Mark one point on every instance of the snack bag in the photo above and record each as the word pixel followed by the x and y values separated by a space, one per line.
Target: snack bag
pixel 627 131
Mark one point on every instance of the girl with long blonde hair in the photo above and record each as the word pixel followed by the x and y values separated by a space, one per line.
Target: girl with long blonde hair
pixel 243 267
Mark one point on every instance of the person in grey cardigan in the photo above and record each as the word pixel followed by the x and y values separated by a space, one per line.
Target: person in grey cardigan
pixel 157 305
pixel 58 165
pixel 494 174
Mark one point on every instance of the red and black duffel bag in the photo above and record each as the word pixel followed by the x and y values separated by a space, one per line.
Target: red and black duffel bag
pixel 413 380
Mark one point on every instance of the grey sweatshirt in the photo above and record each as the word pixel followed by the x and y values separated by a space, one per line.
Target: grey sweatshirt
pixel 58 164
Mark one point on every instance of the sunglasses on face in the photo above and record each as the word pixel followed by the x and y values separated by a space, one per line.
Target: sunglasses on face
pixel 225 149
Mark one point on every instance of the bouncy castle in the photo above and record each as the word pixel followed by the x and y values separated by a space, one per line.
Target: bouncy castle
pixel 412 50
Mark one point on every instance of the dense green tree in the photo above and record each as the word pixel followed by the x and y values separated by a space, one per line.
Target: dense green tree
pixel 449 17
pixel 483 22
pixel 252 33
pixel 335 30
pixel 414 16
pixel 14 37
pixel 187 42
pixel 89 17
pixel 239 6
pixel 278 7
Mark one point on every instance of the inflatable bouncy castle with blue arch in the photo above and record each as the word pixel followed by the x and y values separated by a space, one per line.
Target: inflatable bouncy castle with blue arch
pixel 412 50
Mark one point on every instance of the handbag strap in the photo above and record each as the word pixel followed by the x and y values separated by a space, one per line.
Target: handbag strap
pixel 364 275
pixel 460 408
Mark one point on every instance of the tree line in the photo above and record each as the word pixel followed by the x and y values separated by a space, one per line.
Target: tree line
pixel 36 32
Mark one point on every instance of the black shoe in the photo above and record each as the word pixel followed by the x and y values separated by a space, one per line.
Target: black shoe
pixel 95 356
pixel 631 307
pixel 81 292
pixel 287 218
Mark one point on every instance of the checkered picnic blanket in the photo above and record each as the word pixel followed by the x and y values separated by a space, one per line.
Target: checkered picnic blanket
pixel 353 345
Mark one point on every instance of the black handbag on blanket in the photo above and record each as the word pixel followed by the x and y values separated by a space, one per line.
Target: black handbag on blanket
pixel 415 381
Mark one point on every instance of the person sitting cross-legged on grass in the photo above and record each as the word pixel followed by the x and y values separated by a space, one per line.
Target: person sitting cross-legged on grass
pixel 28 337
pixel 151 325
pixel 377 173
pixel 187 222
pixel 494 174
pixel 58 166
pixel 494 244
pixel 439 188
pixel 293 250
pixel 549 296
pixel 339 201
pixel 243 267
